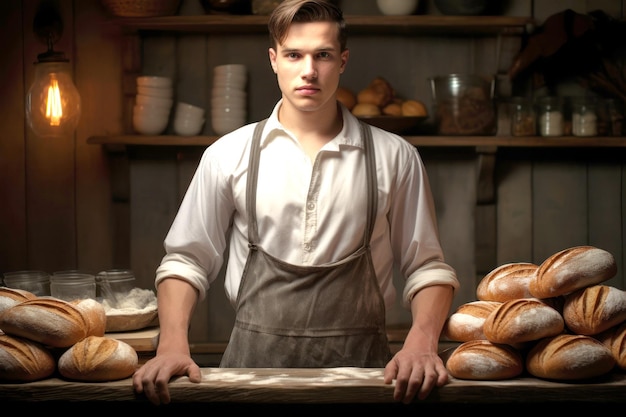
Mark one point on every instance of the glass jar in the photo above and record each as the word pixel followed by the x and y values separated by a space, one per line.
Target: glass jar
pixel 36 282
pixel 551 121
pixel 114 285
pixel 584 117
pixel 610 117
pixel 522 117
pixel 72 285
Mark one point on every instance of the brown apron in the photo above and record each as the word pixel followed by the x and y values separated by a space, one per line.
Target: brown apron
pixel 290 316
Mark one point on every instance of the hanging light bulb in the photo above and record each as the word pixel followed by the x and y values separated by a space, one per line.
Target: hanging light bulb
pixel 52 102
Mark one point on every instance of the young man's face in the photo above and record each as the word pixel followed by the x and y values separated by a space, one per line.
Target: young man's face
pixel 308 65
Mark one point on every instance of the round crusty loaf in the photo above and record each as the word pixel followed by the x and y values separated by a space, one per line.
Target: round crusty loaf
pixel 50 321
pixel 569 357
pixel 572 269
pixel 466 323
pixel 594 309
pixel 96 358
pixel 507 282
pixel 483 360
pixel 523 320
pixel 615 339
pixel 11 296
pixel 94 314
pixel 22 360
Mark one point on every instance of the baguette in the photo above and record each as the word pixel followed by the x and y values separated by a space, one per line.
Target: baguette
pixel 22 360
pixel 466 323
pixel 569 357
pixel 572 269
pixel 49 321
pixel 594 309
pixel 97 359
pixel 11 296
pixel 507 282
pixel 526 319
pixel 483 360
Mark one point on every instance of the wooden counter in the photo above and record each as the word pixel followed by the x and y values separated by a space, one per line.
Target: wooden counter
pixel 318 389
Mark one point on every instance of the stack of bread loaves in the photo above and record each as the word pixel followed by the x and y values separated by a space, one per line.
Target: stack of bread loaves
pixel 42 335
pixel 556 321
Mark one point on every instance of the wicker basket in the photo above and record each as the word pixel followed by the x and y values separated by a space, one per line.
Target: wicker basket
pixel 141 8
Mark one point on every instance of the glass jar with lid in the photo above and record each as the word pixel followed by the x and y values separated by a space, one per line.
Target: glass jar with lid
pixel 522 117
pixel 114 285
pixel 72 285
pixel 584 116
pixel 550 121
pixel 36 282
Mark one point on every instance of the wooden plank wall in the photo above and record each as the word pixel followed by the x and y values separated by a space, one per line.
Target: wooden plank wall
pixel 72 205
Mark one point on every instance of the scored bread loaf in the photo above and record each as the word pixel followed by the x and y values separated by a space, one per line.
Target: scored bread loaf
pixel 526 319
pixel 506 282
pixel 95 315
pixel 594 309
pixel 22 360
pixel 11 296
pixel 466 323
pixel 569 357
pixel 572 269
pixel 615 339
pixel 483 360
pixel 50 321
pixel 96 359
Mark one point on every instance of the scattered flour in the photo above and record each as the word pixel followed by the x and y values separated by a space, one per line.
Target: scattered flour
pixel 137 300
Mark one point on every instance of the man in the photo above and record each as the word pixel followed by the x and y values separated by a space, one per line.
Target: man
pixel 319 208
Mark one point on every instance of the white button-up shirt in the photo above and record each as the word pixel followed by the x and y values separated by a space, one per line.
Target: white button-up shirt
pixel 308 213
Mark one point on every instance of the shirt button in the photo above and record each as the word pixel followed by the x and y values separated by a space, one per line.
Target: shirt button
pixel 311 206
pixel 307 247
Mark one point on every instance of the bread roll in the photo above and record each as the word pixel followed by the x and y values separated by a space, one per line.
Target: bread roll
pixel 94 314
pixel 50 321
pixel 594 309
pixel 523 320
pixel 466 323
pixel 22 360
pixel 507 282
pixel 572 269
pixel 366 109
pixel 414 108
pixel 11 296
pixel 96 359
pixel 569 357
pixel 483 360
pixel 615 340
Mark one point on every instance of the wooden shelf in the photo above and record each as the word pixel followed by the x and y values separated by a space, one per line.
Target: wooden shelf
pixel 376 24
pixel 427 141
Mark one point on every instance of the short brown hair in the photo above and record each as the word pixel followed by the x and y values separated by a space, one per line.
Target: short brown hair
pixel 305 11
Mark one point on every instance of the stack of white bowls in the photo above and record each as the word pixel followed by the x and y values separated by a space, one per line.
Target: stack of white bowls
pixel 229 98
pixel 155 96
pixel 188 120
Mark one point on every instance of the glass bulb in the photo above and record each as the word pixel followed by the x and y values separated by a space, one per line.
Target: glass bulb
pixel 53 102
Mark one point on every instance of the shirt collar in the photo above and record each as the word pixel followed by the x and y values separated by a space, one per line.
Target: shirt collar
pixel 350 134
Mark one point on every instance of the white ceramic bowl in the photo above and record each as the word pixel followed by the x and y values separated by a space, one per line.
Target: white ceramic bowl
pixel 154 101
pixel 163 92
pixel 188 126
pixel 150 110
pixel 186 110
pixel 149 124
pixel 223 124
pixel 154 81
pixel 397 7
pixel 233 80
pixel 224 92
pixel 230 68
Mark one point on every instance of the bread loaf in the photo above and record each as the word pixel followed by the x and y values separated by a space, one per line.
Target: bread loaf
pixel 523 320
pixel 466 323
pixel 50 321
pixel 11 296
pixel 615 339
pixel 96 359
pixel 483 360
pixel 569 357
pixel 22 360
pixel 507 282
pixel 594 309
pixel 572 269
pixel 94 314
